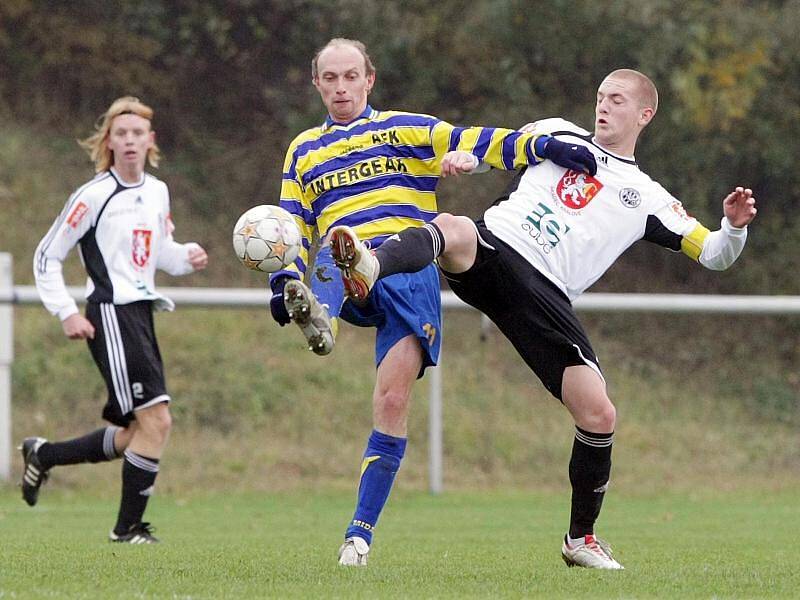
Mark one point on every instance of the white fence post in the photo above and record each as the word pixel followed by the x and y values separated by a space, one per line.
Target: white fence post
pixel 6 358
pixel 435 428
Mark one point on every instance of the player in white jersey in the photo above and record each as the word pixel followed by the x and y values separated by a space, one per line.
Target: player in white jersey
pixel 121 223
pixel 540 247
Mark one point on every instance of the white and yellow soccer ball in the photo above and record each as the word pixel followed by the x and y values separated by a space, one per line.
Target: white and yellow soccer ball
pixel 266 238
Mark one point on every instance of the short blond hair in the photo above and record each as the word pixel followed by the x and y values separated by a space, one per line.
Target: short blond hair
pixel 368 66
pixel 96 145
pixel 648 94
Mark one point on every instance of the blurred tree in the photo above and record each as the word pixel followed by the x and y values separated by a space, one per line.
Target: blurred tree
pixel 230 81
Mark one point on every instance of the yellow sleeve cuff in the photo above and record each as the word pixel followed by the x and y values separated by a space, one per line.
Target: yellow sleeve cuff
pixel 692 243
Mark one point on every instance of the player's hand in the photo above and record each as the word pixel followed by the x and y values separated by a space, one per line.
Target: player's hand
pixel 569 156
pixel 77 327
pixel 457 162
pixel 528 127
pixel 198 257
pixel 740 207
pixel 276 304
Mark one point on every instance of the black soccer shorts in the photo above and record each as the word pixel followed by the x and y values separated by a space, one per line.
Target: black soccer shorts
pixel 126 351
pixel 527 307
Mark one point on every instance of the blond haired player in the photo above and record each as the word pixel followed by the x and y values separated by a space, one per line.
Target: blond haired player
pixel 120 221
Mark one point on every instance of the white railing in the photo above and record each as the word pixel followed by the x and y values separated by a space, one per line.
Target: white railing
pixel 250 297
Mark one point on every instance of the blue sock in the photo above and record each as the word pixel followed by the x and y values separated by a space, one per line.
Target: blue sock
pixel 381 462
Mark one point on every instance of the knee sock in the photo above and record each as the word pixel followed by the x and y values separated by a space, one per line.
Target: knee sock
pixel 94 447
pixel 381 462
pixel 589 470
pixel 411 250
pixel 138 477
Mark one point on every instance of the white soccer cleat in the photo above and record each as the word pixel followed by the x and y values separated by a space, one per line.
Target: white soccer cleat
pixel 358 264
pixel 589 552
pixel 311 316
pixel 353 553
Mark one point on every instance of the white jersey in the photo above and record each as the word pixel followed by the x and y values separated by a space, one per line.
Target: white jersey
pixel 124 232
pixel 572 226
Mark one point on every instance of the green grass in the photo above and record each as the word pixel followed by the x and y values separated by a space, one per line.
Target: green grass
pixel 490 544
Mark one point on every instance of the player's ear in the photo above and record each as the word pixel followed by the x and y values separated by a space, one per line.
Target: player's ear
pixel 646 116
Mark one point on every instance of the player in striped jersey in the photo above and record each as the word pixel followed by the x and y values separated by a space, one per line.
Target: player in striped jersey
pixel 120 220
pixel 539 248
pixel 376 171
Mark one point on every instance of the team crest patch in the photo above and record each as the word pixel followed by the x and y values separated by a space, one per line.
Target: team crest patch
pixel 630 197
pixel 141 246
pixel 576 189
pixel 77 214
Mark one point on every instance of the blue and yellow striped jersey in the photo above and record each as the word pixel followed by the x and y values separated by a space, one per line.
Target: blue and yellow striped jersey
pixel 378 173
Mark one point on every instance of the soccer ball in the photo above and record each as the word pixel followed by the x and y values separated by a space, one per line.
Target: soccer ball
pixel 266 238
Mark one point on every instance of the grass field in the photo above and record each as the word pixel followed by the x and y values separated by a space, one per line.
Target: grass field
pixel 488 544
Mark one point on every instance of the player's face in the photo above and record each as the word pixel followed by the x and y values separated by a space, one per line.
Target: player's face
pixel 342 82
pixel 129 139
pixel 619 116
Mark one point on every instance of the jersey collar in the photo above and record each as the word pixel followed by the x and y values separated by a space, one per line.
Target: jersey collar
pixel 631 160
pixel 124 183
pixel 368 113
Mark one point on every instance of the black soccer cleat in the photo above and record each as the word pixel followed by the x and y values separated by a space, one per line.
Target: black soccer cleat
pixel 138 533
pixel 33 476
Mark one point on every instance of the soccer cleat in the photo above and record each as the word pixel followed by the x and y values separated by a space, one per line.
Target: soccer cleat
pixel 358 264
pixel 138 533
pixel 311 316
pixel 353 553
pixel 590 552
pixel 33 476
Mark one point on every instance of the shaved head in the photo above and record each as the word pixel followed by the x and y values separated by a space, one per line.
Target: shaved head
pixel 645 89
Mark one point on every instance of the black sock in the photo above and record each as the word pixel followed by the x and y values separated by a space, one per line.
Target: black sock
pixel 138 477
pixel 94 447
pixel 411 250
pixel 589 470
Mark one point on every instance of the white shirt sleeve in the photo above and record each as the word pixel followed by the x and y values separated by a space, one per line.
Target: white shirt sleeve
pixel 722 247
pixel 172 256
pixel 73 222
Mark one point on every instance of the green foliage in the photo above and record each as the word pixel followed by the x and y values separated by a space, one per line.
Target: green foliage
pixel 230 82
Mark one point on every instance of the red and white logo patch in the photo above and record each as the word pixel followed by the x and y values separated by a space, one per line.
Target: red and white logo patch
pixel 77 214
pixel 576 189
pixel 141 246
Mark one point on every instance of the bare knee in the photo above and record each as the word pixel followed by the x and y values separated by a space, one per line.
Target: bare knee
pixel 155 422
pixel 391 404
pixel 454 228
pixel 390 413
pixel 598 417
pixel 461 242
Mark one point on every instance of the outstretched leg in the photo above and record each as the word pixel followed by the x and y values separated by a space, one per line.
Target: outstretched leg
pixel 40 455
pixel 450 239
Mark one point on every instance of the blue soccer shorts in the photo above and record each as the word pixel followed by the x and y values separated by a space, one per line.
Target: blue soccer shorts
pixel 398 306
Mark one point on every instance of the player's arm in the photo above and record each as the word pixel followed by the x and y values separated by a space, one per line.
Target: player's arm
pixel 503 149
pixel 173 257
pixel 671 227
pixel 73 222
pixel 721 248
pixel 294 200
